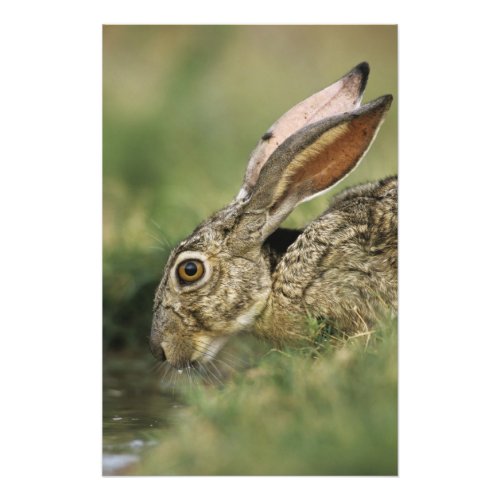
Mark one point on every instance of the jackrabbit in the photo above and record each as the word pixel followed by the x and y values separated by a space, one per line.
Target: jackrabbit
pixel 239 271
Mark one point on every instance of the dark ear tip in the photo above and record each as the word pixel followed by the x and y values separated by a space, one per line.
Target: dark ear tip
pixel 381 104
pixel 384 102
pixel 364 69
pixel 387 99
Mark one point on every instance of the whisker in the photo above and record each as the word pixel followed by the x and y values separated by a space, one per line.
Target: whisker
pixel 166 373
pixel 156 367
pixel 214 375
pixel 161 242
pixel 196 375
pixel 190 377
pixel 176 378
pixel 243 363
pixel 162 234
pixel 198 368
pixel 203 353
pixel 208 344
pixel 212 363
pixel 211 376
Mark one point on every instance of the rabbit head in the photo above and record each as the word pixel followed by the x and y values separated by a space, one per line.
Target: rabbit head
pixel 218 280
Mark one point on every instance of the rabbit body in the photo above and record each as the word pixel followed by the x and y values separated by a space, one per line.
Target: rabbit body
pixel 239 271
pixel 342 267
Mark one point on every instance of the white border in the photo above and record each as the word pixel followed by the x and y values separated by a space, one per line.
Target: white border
pixel 51 201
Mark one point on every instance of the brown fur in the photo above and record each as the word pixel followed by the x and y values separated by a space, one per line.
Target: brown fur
pixel 343 267
pixel 266 280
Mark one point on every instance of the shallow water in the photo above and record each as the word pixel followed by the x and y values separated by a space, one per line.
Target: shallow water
pixel 135 408
pixel 140 403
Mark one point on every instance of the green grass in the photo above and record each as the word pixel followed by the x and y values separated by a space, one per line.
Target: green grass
pixel 327 411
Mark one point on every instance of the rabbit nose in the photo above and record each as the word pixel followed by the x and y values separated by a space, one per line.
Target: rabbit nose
pixel 164 346
pixel 157 350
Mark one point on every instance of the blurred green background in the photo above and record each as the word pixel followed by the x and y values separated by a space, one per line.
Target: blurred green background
pixel 183 106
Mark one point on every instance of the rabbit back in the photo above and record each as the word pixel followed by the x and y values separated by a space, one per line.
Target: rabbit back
pixel 342 267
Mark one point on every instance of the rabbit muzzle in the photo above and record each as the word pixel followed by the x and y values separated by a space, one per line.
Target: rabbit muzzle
pixel 171 342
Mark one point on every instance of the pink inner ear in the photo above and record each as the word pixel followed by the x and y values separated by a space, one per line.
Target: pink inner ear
pixel 334 156
pixel 340 97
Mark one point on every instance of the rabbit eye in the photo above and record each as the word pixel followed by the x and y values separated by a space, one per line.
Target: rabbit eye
pixel 190 270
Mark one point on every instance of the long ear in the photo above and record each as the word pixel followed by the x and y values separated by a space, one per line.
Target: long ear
pixel 313 160
pixel 340 97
